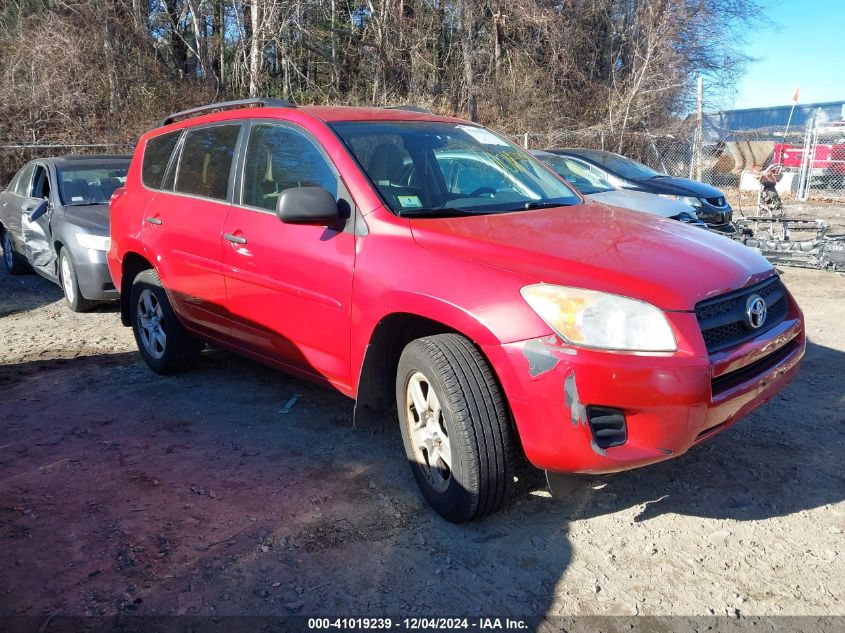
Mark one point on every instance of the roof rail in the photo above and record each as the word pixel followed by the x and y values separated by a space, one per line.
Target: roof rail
pixel 223 105
pixel 409 107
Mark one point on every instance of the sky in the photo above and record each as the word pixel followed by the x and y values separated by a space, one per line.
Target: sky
pixel 805 47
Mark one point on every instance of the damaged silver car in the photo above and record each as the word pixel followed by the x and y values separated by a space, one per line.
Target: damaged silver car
pixel 54 219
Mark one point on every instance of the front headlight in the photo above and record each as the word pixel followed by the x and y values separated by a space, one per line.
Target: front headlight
pixel 590 318
pixel 94 242
pixel 695 203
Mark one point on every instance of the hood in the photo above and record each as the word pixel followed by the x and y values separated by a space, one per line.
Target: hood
pixel 678 187
pixel 642 201
pixel 591 245
pixel 94 218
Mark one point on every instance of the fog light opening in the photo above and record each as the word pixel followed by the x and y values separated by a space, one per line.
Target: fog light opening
pixel 608 426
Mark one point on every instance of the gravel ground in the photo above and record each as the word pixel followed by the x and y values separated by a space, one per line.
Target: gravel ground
pixel 125 492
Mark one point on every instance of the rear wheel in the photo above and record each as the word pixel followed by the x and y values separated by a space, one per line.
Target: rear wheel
pixel 455 427
pixel 164 344
pixel 70 284
pixel 16 264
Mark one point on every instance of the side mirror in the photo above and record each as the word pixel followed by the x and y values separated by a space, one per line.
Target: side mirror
pixel 38 211
pixel 307 205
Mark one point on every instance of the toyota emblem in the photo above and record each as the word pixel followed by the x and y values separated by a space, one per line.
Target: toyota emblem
pixel 755 311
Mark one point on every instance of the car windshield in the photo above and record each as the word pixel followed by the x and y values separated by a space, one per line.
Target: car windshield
pixel 577 174
pixel 436 168
pixel 621 165
pixel 91 184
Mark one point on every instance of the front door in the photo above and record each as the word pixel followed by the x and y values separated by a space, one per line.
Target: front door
pixel 14 198
pixel 289 286
pixel 183 225
pixel 36 214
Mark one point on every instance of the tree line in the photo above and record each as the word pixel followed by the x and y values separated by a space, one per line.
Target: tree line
pixel 106 70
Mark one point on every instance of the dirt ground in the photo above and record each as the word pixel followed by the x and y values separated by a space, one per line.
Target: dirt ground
pixel 125 492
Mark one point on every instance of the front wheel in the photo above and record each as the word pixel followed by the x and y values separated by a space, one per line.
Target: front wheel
pixel 70 284
pixel 164 344
pixel 455 426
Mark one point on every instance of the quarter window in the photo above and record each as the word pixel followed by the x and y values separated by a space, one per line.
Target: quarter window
pixel 156 156
pixel 280 158
pixel 206 161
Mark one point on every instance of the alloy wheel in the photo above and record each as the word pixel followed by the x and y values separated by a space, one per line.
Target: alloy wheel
pixel 67 280
pixel 428 433
pixel 151 324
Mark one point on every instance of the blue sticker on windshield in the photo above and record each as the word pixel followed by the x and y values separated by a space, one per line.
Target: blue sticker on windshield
pixel 409 202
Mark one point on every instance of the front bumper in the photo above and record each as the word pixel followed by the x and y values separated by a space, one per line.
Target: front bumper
pixel 92 273
pixel 716 218
pixel 670 401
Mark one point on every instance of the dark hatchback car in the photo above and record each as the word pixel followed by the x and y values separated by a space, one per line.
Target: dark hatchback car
pixel 709 203
pixel 54 219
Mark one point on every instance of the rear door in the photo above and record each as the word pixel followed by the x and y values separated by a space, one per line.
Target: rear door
pixel 183 224
pixel 14 197
pixel 289 286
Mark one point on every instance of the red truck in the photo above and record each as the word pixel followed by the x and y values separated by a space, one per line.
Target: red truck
pixel 828 158
pixel 425 265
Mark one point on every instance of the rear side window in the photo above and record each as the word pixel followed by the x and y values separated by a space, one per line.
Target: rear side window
pixel 156 156
pixel 22 182
pixel 206 161
pixel 280 158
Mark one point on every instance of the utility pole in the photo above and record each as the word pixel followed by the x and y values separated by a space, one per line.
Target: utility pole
pixel 699 137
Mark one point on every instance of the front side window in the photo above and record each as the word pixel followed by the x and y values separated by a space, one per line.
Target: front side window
pixel 280 158
pixel 156 157
pixel 91 183
pixel 206 161
pixel 41 184
pixel 438 168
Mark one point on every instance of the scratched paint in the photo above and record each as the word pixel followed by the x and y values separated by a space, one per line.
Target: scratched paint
pixel 540 358
pixel 577 411
pixel 543 354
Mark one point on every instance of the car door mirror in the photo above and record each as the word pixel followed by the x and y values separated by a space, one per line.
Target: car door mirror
pixel 38 211
pixel 307 205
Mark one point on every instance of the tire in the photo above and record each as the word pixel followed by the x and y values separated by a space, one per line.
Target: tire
pixel 16 264
pixel 474 427
pixel 164 344
pixel 70 284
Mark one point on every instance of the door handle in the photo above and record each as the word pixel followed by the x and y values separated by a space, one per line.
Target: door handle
pixel 152 220
pixel 235 239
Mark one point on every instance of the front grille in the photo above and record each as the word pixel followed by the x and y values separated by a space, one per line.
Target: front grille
pixel 723 320
pixel 757 368
pixel 716 202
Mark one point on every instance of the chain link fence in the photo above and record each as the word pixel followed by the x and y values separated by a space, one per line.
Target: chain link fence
pixel 810 163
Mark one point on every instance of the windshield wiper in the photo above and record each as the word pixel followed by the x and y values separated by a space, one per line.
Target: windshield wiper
pixel 441 212
pixel 544 204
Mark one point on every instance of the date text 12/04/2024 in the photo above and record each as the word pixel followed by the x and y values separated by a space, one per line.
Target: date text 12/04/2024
pixel 418 624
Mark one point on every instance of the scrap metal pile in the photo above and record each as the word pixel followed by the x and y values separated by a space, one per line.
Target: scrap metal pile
pixel 793 241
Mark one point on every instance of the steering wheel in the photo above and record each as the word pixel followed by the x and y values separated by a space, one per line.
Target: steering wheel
pixel 482 190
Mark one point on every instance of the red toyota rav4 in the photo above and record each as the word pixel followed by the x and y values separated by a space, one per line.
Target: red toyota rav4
pixel 425 263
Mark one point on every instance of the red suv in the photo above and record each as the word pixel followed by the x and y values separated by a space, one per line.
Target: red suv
pixel 425 264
